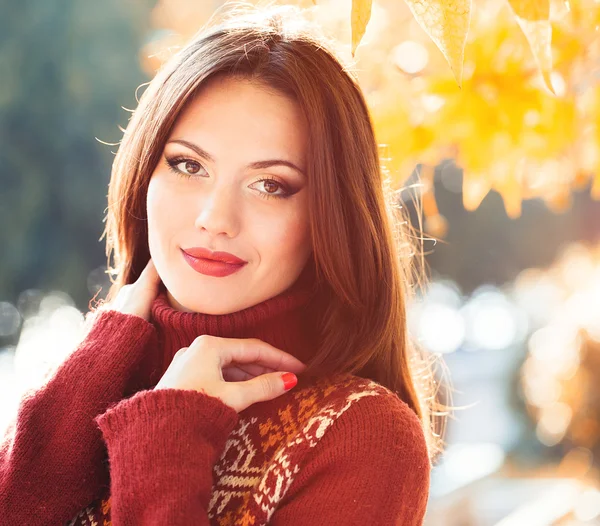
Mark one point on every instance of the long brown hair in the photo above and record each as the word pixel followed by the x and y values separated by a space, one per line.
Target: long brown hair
pixel 363 250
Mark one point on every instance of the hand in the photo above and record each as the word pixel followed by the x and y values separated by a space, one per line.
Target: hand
pixel 209 361
pixel 136 298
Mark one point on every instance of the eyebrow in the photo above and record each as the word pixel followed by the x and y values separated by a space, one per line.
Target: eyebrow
pixel 257 165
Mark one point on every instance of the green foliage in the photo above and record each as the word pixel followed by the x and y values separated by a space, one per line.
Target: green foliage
pixel 66 70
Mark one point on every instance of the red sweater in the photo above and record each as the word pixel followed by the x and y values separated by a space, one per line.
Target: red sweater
pixel 96 445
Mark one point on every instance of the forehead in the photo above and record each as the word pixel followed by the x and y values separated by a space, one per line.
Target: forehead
pixel 242 114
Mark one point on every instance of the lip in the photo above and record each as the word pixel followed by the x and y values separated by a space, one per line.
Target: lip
pixel 211 267
pixel 205 253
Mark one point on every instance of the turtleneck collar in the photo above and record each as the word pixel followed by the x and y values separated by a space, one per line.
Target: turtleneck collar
pixel 281 321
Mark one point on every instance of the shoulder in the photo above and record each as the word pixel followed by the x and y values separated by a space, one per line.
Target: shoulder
pixel 363 413
pixel 363 436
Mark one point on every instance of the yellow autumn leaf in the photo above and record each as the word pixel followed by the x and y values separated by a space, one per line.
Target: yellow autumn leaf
pixel 475 188
pixel 560 201
pixel 532 10
pixel 595 190
pixel 511 190
pixel 406 142
pixel 361 13
pixel 533 17
pixel 447 24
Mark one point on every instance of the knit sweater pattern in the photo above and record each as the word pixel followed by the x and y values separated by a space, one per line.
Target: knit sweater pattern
pixel 334 450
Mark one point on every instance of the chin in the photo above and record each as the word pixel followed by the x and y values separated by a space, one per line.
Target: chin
pixel 181 303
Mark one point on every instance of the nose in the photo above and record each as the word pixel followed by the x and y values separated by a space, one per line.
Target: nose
pixel 218 213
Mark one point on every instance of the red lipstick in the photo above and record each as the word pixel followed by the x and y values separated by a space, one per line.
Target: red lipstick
pixel 211 263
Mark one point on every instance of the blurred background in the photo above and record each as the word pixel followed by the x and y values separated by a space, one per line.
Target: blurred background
pixel 496 133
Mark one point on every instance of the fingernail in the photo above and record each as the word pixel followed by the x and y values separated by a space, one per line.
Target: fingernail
pixel 289 380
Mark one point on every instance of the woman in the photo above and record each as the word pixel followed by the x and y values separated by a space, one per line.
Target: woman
pixel 254 141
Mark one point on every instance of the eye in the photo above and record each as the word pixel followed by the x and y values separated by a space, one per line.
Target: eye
pixel 272 184
pixel 190 167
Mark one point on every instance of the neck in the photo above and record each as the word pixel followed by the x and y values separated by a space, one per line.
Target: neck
pixel 282 321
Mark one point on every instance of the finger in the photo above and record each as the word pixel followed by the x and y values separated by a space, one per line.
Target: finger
pixel 241 372
pixel 149 274
pixel 253 350
pixel 233 374
pixel 248 351
pixel 261 388
pixel 149 279
pixel 254 369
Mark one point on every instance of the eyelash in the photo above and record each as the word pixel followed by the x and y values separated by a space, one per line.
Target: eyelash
pixel 173 162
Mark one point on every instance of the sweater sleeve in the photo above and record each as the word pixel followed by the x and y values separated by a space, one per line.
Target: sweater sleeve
pixel 371 467
pixel 162 446
pixel 52 455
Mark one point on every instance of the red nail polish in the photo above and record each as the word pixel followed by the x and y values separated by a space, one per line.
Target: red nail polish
pixel 289 380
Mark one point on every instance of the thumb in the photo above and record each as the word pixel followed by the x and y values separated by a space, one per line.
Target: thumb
pixel 267 386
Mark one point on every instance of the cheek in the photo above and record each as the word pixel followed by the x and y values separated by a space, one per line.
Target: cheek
pixel 163 215
pixel 282 237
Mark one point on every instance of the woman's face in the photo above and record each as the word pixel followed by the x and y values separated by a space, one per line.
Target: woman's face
pixel 218 199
